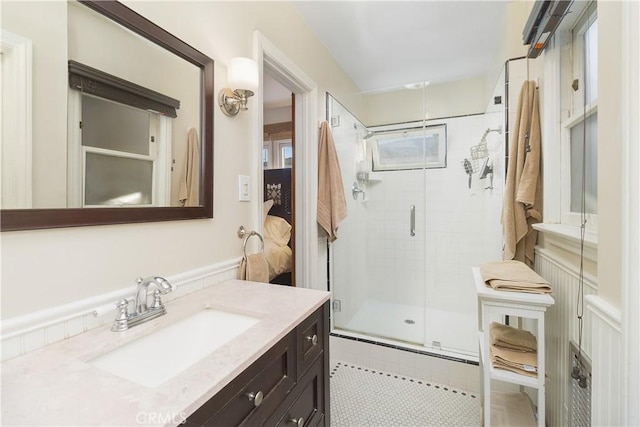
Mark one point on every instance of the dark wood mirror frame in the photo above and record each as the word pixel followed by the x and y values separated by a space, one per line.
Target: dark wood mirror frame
pixel 31 219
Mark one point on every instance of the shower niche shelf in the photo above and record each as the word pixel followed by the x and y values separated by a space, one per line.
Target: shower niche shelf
pixel 517 304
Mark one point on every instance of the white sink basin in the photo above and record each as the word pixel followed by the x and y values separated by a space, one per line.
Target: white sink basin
pixel 155 358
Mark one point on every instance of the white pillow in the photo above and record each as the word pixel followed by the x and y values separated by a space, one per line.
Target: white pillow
pixel 277 230
pixel 266 208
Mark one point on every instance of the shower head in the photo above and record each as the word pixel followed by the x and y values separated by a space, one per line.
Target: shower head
pixel 368 135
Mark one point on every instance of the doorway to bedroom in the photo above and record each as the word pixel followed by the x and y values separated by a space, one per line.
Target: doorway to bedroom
pixel 278 169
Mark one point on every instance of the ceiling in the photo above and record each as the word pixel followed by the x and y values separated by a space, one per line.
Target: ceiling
pixel 387 44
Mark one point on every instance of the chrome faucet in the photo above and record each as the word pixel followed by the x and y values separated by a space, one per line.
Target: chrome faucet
pixel 143 312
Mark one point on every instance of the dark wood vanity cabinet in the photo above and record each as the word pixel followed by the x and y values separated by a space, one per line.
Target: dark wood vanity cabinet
pixel 287 386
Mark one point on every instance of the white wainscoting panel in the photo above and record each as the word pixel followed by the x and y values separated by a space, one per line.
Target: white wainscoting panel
pixel 20 335
pixel 561 326
pixel 607 359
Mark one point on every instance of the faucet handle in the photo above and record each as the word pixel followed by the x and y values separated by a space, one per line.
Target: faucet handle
pixel 157 302
pixel 122 317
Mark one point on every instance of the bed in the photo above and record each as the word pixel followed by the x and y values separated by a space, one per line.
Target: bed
pixel 277 229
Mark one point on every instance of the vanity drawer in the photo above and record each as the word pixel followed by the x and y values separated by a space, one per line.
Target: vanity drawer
pixel 273 375
pixel 312 337
pixel 309 406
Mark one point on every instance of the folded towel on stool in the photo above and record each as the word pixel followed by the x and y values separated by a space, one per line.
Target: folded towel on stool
pixel 515 361
pixel 508 337
pixel 513 276
pixel 254 268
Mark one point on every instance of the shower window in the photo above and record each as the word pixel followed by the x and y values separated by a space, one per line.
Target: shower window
pixel 410 148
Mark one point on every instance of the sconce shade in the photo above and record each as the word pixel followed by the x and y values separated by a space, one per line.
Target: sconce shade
pixel 242 73
pixel 243 79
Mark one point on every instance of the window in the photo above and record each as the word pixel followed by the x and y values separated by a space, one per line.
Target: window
pixel 410 148
pixel 286 154
pixel 580 128
pixel 277 154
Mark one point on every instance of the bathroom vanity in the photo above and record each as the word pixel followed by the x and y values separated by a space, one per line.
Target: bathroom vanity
pixel 287 385
pixel 274 372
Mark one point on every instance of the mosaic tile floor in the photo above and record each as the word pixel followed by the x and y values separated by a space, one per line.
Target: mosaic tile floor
pixel 361 396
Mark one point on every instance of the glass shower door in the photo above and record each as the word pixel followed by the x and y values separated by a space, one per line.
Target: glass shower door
pixel 378 268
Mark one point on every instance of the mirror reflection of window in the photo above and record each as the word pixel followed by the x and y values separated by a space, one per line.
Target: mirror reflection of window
pixel 119 150
pixel 113 180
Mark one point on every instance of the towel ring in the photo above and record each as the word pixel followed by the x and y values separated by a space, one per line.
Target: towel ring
pixel 244 244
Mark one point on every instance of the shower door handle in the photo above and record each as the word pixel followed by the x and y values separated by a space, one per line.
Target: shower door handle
pixel 412 221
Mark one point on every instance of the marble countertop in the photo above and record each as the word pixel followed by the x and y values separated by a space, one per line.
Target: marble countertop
pixel 56 386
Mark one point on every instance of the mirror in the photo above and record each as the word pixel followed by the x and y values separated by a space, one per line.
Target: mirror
pixel 75 195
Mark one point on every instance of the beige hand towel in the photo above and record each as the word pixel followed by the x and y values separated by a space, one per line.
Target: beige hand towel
pixel 189 193
pixel 513 276
pixel 510 338
pixel 254 268
pixel 332 205
pixel 512 409
pixel 515 361
pixel 522 205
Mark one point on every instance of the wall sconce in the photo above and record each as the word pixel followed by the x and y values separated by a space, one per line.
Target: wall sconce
pixel 242 74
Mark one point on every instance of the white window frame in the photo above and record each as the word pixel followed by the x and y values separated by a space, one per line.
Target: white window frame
pixel 159 153
pixel 577 114
pixel 409 130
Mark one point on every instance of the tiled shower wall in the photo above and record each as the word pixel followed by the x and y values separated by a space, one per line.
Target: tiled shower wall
pixel 457 227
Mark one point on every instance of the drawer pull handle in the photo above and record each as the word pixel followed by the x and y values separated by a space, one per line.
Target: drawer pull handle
pixel 297 421
pixel 256 398
pixel 313 339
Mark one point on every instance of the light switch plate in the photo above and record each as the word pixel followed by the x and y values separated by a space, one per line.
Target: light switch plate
pixel 244 190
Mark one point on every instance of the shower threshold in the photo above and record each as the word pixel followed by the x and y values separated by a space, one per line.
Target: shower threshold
pixel 441 353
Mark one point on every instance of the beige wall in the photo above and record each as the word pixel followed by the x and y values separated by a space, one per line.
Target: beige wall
pixel 448 99
pixel 46 268
pixel 276 115
pixel 610 162
pixel 515 17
